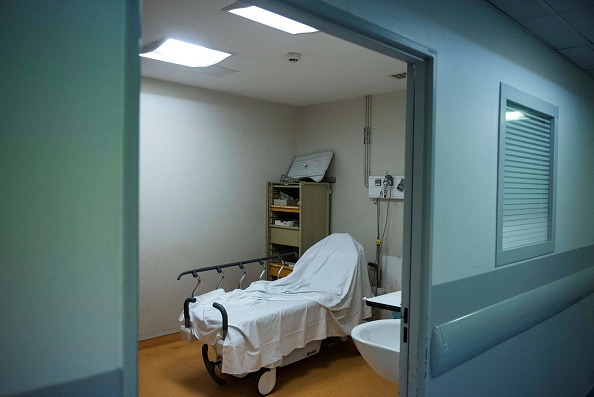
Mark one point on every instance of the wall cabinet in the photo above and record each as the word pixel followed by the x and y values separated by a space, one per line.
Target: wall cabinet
pixel 298 216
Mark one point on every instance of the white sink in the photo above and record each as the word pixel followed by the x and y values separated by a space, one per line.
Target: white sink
pixel 379 344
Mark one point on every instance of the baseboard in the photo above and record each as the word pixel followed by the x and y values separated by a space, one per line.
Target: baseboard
pixel 158 341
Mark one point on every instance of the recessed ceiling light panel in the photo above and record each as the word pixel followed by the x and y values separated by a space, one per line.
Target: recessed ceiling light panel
pixel 182 53
pixel 271 19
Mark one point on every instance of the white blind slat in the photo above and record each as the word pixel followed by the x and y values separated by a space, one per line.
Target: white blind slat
pixel 525 218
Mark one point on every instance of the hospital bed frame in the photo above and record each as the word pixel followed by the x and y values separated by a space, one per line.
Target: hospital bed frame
pixel 265 378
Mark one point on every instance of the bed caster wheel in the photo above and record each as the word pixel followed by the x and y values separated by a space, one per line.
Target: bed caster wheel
pixel 265 381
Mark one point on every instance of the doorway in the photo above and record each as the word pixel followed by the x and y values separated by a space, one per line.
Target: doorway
pixel 417 171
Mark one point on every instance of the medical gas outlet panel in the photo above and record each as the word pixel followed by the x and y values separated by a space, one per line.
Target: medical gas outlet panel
pixel 386 187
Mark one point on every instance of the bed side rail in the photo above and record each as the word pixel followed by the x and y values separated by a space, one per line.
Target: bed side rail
pixel 187 322
pixel 210 365
pixel 186 328
pixel 220 308
pixel 194 272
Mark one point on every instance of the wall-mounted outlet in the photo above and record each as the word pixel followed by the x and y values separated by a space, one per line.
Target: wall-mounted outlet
pixel 386 187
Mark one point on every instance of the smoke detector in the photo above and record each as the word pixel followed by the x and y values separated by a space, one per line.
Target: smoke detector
pixel 293 57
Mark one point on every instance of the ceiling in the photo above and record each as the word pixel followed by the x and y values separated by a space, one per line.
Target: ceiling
pixel 329 69
pixel 565 25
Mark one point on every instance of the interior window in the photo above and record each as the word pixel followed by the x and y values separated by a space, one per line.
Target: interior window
pixel 526 176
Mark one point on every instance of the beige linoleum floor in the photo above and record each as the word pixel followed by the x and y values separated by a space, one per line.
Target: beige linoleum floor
pixel 172 368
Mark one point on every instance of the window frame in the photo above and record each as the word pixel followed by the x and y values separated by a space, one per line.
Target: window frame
pixel 541 108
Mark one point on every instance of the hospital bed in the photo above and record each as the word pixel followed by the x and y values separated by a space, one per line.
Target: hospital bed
pixel 275 323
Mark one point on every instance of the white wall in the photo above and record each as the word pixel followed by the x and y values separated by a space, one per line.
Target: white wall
pixel 68 198
pixel 205 158
pixel 204 163
pixel 477 48
pixel 338 126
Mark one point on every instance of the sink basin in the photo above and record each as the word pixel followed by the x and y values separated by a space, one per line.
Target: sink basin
pixel 379 344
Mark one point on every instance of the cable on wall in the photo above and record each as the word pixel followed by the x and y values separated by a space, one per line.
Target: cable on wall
pixel 379 241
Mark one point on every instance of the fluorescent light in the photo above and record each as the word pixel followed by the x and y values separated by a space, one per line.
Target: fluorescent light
pixel 271 19
pixel 512 116
pixel 182 53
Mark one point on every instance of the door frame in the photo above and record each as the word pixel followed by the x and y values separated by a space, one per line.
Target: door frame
pixel 420 109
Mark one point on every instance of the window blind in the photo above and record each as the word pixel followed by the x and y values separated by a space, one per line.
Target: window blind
pixel 527 178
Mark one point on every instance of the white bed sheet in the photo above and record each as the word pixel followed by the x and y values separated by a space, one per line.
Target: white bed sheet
pixel 322 297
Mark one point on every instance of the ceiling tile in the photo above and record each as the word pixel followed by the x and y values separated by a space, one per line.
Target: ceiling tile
pixel 554 31
pixel 565 25
pixel 582 20
pixel 568 5
pixel 520 10
pixel 582 56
